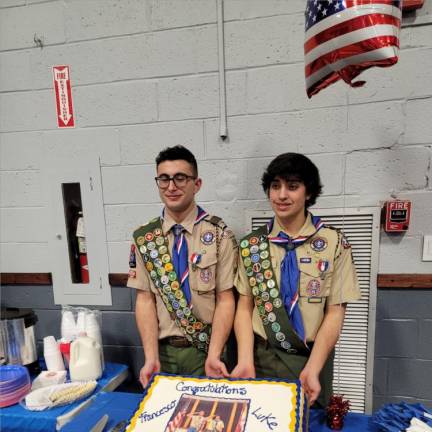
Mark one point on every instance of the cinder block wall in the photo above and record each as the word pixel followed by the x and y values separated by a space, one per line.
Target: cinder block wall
pixel 144 76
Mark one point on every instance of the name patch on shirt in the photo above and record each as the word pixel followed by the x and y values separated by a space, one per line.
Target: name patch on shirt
pixel 306 260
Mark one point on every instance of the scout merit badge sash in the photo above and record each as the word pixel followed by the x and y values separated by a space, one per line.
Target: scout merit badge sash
pixel 154 250
pixel 268 298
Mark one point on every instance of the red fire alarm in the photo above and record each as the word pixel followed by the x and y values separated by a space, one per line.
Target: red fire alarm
pixel 397 216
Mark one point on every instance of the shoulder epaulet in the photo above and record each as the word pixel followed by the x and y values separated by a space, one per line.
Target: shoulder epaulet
pixel 216 220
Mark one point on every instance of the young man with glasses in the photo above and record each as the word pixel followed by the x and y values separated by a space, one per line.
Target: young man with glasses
pixel 295 277
pixel 182 265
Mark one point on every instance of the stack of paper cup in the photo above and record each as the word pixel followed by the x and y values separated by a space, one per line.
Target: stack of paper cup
pixel 52 354
pixel 81 321
pixel 92 328
pixel 68 326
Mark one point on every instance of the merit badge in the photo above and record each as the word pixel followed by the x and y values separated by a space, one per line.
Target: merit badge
pixel 160 271
pixel 186 310
pixel 264 254
pixel 262 286
pixel 253 240
pixel 175 285
pixel 146 257
pixel 268 274
pixel 143 249
pixel 157 232
pixel 198 326
pixel 254 249
pixel 157 262
pixel 285 345
pixel 175 304
pixel 132 273
pixel 263 238
pixel 245 252
pixel 265 264
pixel 318 244
pixel 271 283
pixel 259 277
pixel 169 267
pixel 314 287
pixel 183 302
pixel 140 240
pixel 271 317
pixel 132 257
pixel 159 241
pixel 279 336
pixel 244 244
pixel 163 250
pixel 166 289
pixel 258 301
pixel 255 258
pixel 249 271
pixel 166 258
pixel 149 266
pixel 275 327
pixel 274 293
pixel 172 276
pixel 153 274
pixel 206 275
pixel 268 307
pixel 151 245
pixel 265 296
pixel 252 281
pixel 247 262
pixel 256 267
pixel 149 236
pixel 305 260
pixel 154 253
pixel 178 294
pixel 255 291
pixel 263 246
pixel 277 303
pixel 207 238
pixel 165 279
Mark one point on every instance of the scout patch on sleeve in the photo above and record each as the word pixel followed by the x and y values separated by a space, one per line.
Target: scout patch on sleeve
pixel 132 257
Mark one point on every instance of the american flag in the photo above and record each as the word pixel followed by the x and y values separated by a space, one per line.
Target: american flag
pixel 345 37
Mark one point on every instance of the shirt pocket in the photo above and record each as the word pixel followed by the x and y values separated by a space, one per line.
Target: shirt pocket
pixel 313 283
pixel 204 274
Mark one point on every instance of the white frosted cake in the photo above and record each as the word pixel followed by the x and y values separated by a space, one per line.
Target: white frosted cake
pixel 174 403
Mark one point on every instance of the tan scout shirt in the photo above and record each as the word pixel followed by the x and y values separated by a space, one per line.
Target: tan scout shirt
pixel 209 276
pixel 337 285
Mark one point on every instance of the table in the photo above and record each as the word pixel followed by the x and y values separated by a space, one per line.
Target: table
pixel 121 406
pixel 17 418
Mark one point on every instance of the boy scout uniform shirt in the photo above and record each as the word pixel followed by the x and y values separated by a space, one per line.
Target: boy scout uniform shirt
pixel 207 278
pixel 338 284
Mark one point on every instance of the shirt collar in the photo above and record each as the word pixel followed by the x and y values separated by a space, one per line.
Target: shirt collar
pixel 187 223
pixel 306 230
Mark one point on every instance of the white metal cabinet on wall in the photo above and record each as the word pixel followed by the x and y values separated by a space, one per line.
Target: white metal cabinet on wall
pixel 86 173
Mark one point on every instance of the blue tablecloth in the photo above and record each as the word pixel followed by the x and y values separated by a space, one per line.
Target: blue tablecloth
pixel 17 418
pixel 121 406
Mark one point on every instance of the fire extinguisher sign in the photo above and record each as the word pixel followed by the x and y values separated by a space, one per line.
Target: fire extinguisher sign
pixel 62 86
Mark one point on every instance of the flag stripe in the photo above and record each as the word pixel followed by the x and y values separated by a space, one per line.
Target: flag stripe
pixel 351 13
pixel 354 70
pixel 361 22
pixel 353 37
pixel 350 51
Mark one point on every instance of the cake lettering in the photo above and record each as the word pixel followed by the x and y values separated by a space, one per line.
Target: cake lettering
pixel 211 388
pixel 269 418
pixel 145 417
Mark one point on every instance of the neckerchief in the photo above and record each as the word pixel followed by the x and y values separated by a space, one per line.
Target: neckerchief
pixel 290 273
pixel 180 253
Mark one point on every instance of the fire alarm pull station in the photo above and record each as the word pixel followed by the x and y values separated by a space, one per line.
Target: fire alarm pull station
pixel 397 216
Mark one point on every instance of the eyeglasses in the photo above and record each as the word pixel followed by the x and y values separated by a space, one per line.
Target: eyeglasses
pixel 180 180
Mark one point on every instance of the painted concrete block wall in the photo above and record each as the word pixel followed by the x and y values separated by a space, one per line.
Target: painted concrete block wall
pixel 144 76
